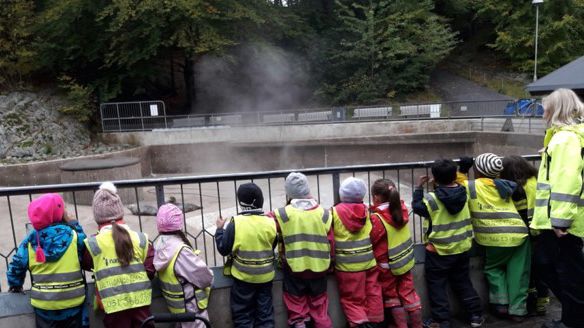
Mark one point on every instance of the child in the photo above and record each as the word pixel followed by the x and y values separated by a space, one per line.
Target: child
pixel 498 226
pixel 518 170
pixel 121 260
pixel 184 278
pixel 51 252
pixel 391 236
pixel 448 235
pixel 249 239
pixel 356 269
pixel 305 230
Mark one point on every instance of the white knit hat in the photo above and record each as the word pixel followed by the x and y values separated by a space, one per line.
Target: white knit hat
pixel 352 190
pixel 297 186
pixel 489 165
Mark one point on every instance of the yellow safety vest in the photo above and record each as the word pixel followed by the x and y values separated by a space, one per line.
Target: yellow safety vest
pixel 400 249
pixel 304 234
pixel 353 250
pixel 559 197
pixel 451 234
pixel 173 290
pixel 120 288
pixel 253 253
pixel 495 220
pixel 57 285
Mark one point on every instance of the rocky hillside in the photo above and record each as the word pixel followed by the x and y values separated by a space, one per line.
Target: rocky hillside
pixel 33 129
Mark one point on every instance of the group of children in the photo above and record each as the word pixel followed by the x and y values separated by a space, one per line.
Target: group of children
pixel 123 262
pixel 369 248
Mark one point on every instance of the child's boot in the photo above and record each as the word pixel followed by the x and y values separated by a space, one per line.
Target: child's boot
pixel 400 318
pixel 416 319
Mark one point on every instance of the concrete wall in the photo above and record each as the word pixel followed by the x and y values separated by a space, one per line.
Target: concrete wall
pixel 244 149
pixel 15 309
pixel 48 172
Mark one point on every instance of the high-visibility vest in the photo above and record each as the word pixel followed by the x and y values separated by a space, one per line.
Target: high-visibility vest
pixel 173 290
pixel 495 221
pixel 528 203
pixel 304 234
pixel 451 233
pixel 253 253
pixel 57 285
pixel 353 250
pixel 400 248
pixel 120 288
pixel 560 182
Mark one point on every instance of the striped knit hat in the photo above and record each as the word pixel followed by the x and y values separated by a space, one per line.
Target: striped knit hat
pixel 489 165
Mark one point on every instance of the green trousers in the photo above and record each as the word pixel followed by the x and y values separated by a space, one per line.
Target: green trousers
pixel 507 272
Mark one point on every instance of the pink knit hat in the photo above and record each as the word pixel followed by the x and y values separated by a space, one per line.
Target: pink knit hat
pixel 107 205
pixel 46 210
pixel 169 218
pixel 42 212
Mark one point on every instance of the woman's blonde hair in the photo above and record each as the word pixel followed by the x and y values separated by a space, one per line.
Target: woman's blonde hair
pixel 562 108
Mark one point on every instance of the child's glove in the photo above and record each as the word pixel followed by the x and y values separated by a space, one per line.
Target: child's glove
pixel 465 164
pixel 16 290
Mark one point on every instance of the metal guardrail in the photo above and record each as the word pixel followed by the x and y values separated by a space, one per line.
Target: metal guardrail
pixel 150 115
pixel 215 194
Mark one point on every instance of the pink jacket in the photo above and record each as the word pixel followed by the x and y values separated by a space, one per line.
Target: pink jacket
pixel 189 268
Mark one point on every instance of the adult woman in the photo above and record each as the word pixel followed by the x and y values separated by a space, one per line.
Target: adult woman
pixel 559 208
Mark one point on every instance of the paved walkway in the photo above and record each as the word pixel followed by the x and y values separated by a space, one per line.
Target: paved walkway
pixel 554 312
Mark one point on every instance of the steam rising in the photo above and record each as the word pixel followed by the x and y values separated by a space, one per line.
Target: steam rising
pixel 254 78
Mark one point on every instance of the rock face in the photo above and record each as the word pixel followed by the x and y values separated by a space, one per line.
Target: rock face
pixel 32 128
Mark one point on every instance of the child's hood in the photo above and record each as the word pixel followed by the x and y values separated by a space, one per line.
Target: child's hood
pixel 453 198
pixel 55 240
pixel 383 210
pixel 353 215
pixel 165 248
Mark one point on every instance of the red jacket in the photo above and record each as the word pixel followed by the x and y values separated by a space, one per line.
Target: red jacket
pixel 378 234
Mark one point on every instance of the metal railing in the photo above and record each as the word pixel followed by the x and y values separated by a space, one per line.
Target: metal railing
pixel 214 194
pixel 150 115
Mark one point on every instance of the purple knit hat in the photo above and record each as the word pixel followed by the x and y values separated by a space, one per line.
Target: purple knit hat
pixel 169 218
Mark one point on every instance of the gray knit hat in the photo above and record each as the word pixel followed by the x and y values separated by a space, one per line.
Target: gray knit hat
pixel 489 165
pixel 352 190
pixel 297 186
pixel 107 205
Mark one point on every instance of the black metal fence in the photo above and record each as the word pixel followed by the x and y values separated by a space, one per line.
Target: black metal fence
pixel 150 115
pixel 214 195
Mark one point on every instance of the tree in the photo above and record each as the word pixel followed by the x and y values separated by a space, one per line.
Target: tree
pixel 385 48
pixel 16 51
pixel 560 34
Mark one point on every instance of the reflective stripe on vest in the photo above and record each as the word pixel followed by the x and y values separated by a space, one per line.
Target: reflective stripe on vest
pixel 120 288
pixel 400 248
pixel 495 221
pixel 57 285
pixel 173 290
pixel 253 255
pixel 305 238
pixel 353 250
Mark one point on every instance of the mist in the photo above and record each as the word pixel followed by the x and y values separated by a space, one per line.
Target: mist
pixel 253 78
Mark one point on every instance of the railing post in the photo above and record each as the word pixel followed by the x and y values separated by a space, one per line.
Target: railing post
pixel 336 186
pixel 164 113
pixel 119 118
pixel 142 114
pixel 160 195
pixel 482 123
pixel 529 128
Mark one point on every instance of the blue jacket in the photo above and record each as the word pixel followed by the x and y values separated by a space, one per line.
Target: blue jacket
pixel 54 239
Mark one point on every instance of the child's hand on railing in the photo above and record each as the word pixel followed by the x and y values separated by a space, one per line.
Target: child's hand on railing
pixel 220 222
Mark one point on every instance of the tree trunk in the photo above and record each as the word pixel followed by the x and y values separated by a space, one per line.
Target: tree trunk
pixel 190 87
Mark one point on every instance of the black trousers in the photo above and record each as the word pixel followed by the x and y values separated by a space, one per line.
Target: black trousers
pixel 251 305
pixel 560 264
pixel 454 269
pixel 75 321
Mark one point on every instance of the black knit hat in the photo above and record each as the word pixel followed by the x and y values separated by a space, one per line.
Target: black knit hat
pixel 250 196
